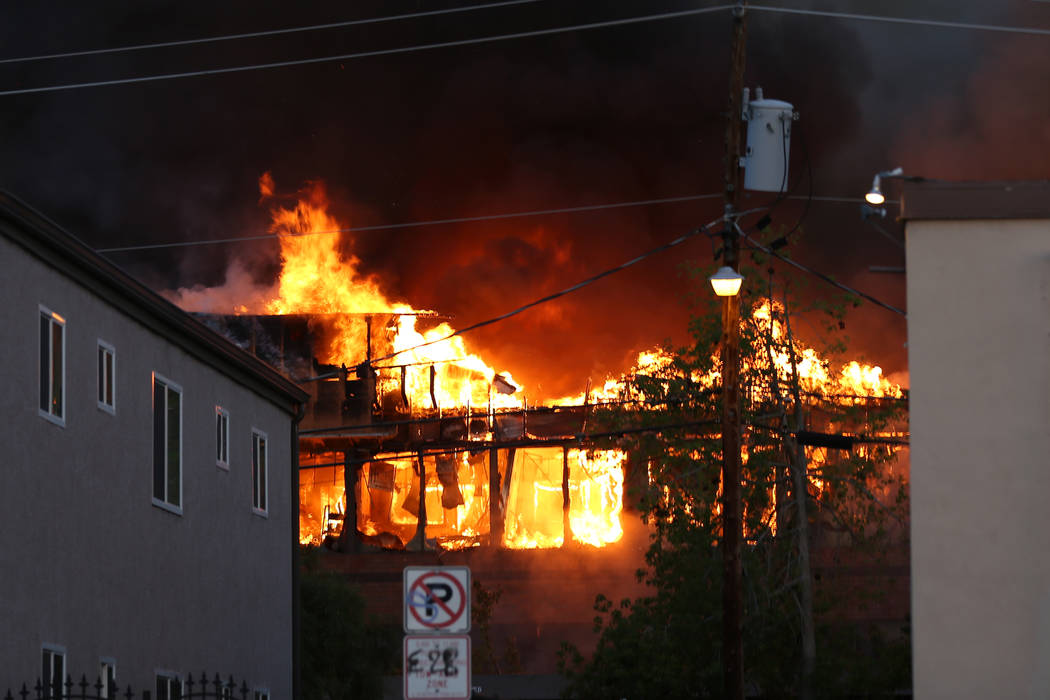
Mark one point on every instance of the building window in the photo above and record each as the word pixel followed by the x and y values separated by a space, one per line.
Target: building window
pixel 259 486
pixel 167 444
pixel 52 366
pixel 169 686
pixel 222 437
pixel 261 694
pixel 107 383
pixel 53 671
pixel 107 677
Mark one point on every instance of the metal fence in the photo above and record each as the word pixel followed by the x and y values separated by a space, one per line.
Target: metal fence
pixel 170 689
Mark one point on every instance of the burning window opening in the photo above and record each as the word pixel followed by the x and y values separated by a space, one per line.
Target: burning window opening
pixel 458 509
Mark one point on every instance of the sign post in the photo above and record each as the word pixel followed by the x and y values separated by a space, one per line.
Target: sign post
pixel 437 623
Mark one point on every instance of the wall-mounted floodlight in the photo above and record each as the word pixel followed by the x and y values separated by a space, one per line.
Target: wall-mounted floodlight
pixel 726 282
pixel 875 197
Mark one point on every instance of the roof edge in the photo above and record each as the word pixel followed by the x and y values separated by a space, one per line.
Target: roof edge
pixel 61 250
pixel 1024 199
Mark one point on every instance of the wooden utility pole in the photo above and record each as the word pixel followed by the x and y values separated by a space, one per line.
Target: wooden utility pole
pixel 349 541
pixel 732 522
pixel 800 483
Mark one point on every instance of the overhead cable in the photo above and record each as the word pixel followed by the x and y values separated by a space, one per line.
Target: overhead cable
pixel 377 52
pixel 820 275
pixel 1037 31
pixel 555 295
pixel 270 32
pixel 456 220
pixel 431 222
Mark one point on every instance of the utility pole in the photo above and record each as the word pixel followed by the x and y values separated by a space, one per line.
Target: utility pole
pixel 797 459
pixel 732 522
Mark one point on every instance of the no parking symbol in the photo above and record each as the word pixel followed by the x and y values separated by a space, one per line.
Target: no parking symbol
pixel 437 599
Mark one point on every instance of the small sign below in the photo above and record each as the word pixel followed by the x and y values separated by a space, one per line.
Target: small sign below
pixel 437 599
pixel 437 666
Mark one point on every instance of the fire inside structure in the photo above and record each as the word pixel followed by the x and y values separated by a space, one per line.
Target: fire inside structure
pixel 411 442
pixel 420 454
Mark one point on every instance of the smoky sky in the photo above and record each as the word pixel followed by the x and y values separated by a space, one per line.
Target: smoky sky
pixel 618 114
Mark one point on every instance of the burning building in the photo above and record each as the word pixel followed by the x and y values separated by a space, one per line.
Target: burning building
pixel 411 441
pixel 437 452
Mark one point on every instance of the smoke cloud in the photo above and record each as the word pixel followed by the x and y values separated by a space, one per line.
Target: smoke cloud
pixel 620 114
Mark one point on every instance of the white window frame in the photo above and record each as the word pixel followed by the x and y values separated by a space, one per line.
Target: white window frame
pixel 261 694
pixel 57 652
pixel 222 438
pixel 47 412
pixel 107 377
pixel 164 503
pixel 104 663
pixel 260 492
pixel 169 676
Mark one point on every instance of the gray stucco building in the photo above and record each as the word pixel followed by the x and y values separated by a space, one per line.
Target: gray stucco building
pixel 148 488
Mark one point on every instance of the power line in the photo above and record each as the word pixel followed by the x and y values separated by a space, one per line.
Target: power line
pixel 820 275
pixel 431 222
pixel 555 295
pixel 467 42
pixel 259 34
pixel 456 220
pixel 377 52
pixel 904 20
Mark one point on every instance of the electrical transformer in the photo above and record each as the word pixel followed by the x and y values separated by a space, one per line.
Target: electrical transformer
pixel 768 143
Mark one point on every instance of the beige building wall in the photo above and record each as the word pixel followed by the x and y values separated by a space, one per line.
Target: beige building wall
pixel 979 356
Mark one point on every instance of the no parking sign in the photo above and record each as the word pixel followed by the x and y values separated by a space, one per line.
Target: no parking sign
pixel 437 599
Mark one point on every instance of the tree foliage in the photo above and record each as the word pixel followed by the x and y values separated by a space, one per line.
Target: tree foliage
pixel 668 643
pixel 343 655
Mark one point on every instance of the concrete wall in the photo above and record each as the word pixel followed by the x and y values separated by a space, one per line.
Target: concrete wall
pixel 87 561
pixel 979 356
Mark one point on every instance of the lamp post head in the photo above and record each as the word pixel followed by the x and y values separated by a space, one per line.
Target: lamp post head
pixel 726 282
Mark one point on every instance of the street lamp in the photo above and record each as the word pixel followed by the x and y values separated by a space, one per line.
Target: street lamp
pixel 726 282
pixel 875 197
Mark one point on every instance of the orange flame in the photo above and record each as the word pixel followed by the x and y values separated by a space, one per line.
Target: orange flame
pixel 316 279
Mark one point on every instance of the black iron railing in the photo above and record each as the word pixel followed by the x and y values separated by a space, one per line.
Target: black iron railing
pixel 188 689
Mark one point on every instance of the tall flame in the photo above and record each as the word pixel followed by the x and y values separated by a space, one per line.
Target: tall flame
pixel 438 368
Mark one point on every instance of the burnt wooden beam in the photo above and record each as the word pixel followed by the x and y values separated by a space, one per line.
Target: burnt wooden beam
pixel 566 526
pixel 496 524
pixel 349 539
pixel 418 543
